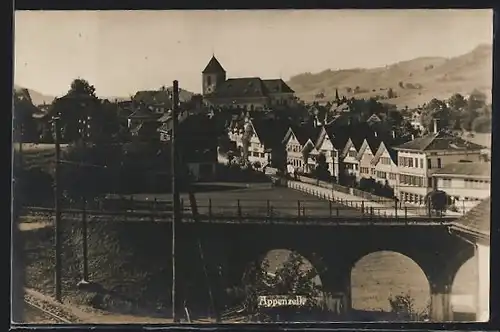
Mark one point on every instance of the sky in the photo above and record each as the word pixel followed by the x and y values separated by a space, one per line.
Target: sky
pixel 121 52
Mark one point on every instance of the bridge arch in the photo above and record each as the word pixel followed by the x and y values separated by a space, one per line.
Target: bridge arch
pixel 379 275
pixel 464 289
pixel 277 257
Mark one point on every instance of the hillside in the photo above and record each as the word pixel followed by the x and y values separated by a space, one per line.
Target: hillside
pixel 37 97
pixel 414 82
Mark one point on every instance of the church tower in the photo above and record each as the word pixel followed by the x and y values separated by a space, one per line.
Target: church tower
pixel 212 76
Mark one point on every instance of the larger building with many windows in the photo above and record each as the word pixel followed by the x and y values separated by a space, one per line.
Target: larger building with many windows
pixel 250 93
pixel 466 183
pixel 420 158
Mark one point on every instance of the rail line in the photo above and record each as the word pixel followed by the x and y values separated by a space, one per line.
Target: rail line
pixel 45 312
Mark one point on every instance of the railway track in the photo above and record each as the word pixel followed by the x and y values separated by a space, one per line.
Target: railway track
pixel 36 314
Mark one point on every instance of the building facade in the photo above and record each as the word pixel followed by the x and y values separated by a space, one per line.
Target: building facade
pixel 250 93
pixel 423 156
pixel 466 183
pixel 385 166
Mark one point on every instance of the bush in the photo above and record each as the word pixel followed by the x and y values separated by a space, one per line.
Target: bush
pixel 403 306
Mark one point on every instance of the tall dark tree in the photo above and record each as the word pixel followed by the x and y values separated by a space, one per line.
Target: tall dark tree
pixel 25 128
pixel 321 171
pixel 80 105
pixel 436 109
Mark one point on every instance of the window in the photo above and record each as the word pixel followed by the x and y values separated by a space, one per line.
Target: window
pixel 392 176
pixel 410 162
pixel 209 80
pixel 439 162
pixel 334 154
pixel 416 162
pixel 446 182
pixel 429 182
pixel 429 164
pixel 352 153
pixel 421 163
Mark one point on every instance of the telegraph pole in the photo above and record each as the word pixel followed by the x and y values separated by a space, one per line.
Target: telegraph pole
pixel 57 190
pixel 175 199
pixel 85 279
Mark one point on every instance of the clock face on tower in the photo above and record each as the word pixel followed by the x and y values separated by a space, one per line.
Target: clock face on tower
pixel 210 89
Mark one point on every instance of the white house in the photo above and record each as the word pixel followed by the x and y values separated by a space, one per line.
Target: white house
pixel 365 156
pixel 295 140
pixel 348 157
pixel 312 153
pixel 330 144
pixel 466 183
pixel 475 228
pixel 384 165
pixel 265 140
pixel 421 157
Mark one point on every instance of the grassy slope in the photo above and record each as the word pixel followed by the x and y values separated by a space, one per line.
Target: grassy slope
pixel 459 74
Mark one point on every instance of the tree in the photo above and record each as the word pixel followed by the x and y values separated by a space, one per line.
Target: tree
pixel 437 200
pixel 321 171
pixel 81 87
pixel 436 109
pixel 79 105
pixel 476 100
pixel 457 102
pixel 306 151
pixel 292 278
pixel 24 125
pixel 89 171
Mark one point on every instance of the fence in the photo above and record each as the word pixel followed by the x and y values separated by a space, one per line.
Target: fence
pixel 330 210
pixel 345 190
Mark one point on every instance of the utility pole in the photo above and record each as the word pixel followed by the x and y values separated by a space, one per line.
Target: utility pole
pixel 175 199
pixel 57 189
pixel 85 278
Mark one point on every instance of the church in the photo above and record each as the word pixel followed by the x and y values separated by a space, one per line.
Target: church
pixel 250 93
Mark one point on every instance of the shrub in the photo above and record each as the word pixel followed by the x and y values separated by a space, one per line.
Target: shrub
pixel 403 306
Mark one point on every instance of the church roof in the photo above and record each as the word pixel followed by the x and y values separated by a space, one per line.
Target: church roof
pixel 277 86
pixel 249 87
pixel 240 88
pixel 213 66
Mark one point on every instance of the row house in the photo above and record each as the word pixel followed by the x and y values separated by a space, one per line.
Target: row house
pixel 264 140
pixel 330 144
pixel 297 142
pixel 385 165
pixel 420 158
pixel 365 156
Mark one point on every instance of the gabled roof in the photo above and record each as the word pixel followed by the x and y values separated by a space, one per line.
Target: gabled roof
pixel 439 141
pixel 380 151
pixel 269 131
pixel 277 86
pixel 370 144
pixel 302 133
pixel 213 66
pixel 472 169
pixel 477 221
pixel 143 113
pixel 337 134
pixel 373 119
